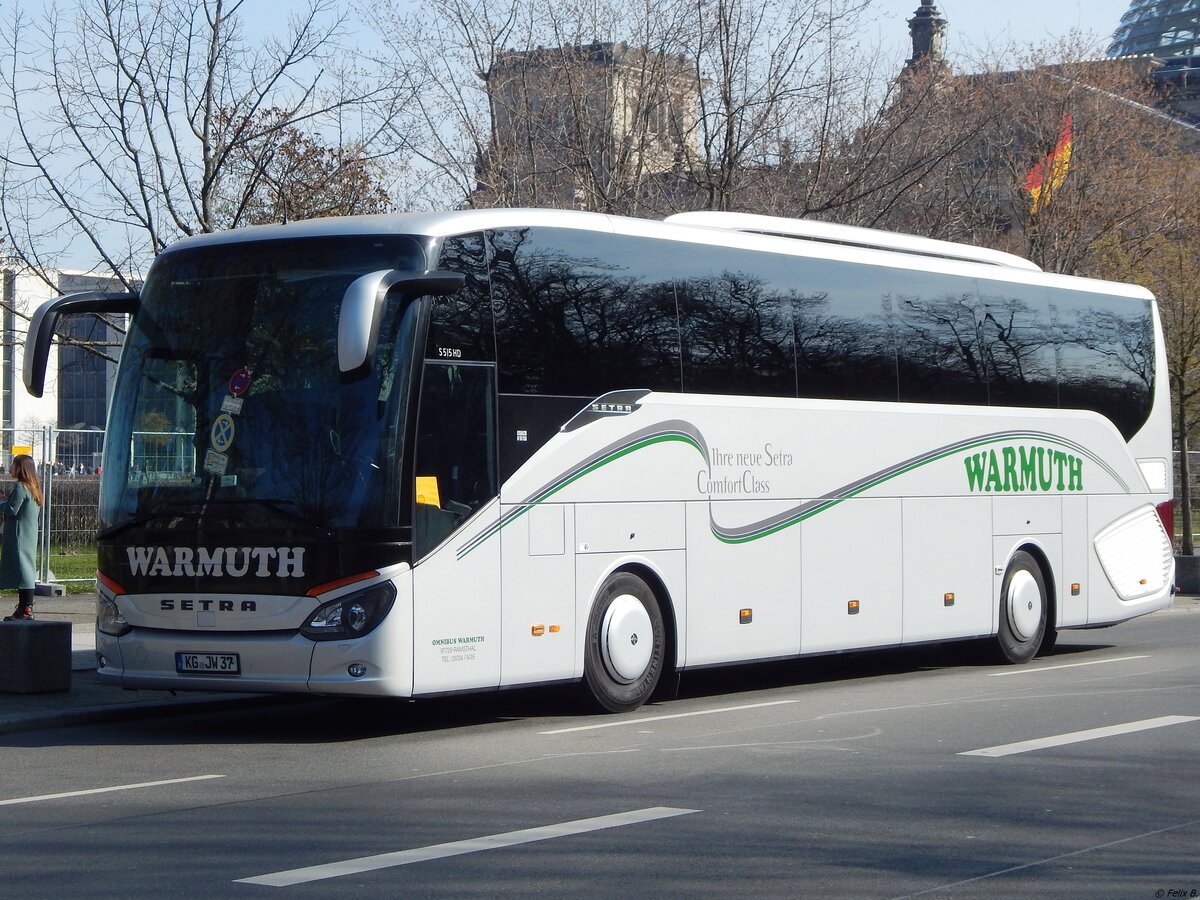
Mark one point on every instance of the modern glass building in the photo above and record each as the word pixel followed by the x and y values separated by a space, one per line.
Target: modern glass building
pixel 1169 31
pixel 1160 28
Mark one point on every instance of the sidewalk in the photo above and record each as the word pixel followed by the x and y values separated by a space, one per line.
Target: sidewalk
pixel 88 700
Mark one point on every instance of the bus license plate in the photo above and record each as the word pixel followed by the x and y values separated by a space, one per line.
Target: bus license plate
pixel 208 663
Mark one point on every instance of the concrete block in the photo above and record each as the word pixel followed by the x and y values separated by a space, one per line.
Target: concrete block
pixel 49 589
pixel 35 657
pixel 1187 574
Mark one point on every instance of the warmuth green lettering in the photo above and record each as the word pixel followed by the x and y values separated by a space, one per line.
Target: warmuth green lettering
pixel 1029 468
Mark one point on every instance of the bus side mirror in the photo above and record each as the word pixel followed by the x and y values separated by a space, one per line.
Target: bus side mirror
pixel 362 308
pixel 45 321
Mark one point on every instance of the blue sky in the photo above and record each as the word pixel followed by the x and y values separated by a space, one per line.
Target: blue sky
pixel 974 24
pixel 979 24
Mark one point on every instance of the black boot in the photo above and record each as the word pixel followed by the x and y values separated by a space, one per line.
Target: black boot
pixel 22 612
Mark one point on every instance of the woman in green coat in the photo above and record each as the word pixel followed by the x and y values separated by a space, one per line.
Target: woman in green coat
pixel 19 547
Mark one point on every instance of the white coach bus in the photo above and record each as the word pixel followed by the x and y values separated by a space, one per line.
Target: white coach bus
pixel 418 454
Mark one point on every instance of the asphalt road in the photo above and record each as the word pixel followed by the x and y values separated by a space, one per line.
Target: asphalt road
pixel 916 773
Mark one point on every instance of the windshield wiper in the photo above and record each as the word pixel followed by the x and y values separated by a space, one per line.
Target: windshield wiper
pixel 199 508
pixel 273 504
pixel 168 511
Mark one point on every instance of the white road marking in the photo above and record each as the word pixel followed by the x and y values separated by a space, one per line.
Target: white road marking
pixel 105 790
pixel 1076 737
pixel 686 715
pixel 458 848
pixel 1093 662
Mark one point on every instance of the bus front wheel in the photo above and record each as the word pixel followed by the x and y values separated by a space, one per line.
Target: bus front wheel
pixel 1023 610
pixel 626 644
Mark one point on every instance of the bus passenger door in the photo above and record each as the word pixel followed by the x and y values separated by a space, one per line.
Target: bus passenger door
pixel 456 548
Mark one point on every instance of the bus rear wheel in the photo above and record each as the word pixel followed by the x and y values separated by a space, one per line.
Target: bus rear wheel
pixel 1023 610
pixel 626 644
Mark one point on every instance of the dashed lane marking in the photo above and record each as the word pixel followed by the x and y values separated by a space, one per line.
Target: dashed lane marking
pixel 458 848
pixel 106 790
pixel 1091 662
pixel 1076 737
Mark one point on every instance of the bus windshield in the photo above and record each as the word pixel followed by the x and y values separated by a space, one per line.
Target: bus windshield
pixel 228 393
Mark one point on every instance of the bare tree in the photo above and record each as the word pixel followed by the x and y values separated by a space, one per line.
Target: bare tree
pixel 1088 131
pixel 135 122
pixel 775 75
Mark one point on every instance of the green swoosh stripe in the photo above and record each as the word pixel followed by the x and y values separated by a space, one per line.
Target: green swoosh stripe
pixel 610 454
pixel 797 514
pixel 687 433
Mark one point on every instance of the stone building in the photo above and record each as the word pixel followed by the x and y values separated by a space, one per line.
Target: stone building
pixel 579 126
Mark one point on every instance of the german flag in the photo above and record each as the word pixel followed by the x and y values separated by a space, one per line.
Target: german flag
pixel 1047 176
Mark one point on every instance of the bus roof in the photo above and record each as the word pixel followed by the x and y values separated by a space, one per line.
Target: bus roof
pixel 850 235
pixel 744 229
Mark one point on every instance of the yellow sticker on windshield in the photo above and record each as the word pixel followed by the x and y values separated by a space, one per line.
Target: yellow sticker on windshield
pixel 427 491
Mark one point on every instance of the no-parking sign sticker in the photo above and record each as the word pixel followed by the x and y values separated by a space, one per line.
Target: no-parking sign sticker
pixel 239 382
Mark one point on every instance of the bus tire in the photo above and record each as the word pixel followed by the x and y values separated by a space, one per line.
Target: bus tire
pixel 626 644
pixel 1023 610
pixel 1049 640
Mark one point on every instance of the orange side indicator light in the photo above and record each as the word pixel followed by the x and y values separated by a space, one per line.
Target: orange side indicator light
pixel 1075 589
pixel 745 616
pixel 1143 581
pixel 555 629
pixel 538 630
pixel 852 607
pixel 947 599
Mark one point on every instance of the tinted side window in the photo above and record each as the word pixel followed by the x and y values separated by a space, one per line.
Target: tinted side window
pixel 580 313
pixel 735 311
pixel 460 325
pixel 1105 356
pixel 1018 343
pixel 844 343
pixel 937 338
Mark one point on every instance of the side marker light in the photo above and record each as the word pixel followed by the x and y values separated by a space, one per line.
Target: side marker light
pixel 745 616
pixel 947 599
pixel 852 608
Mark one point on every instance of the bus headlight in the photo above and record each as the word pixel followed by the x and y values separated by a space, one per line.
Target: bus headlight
pixel 109 619
pixel 351 616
